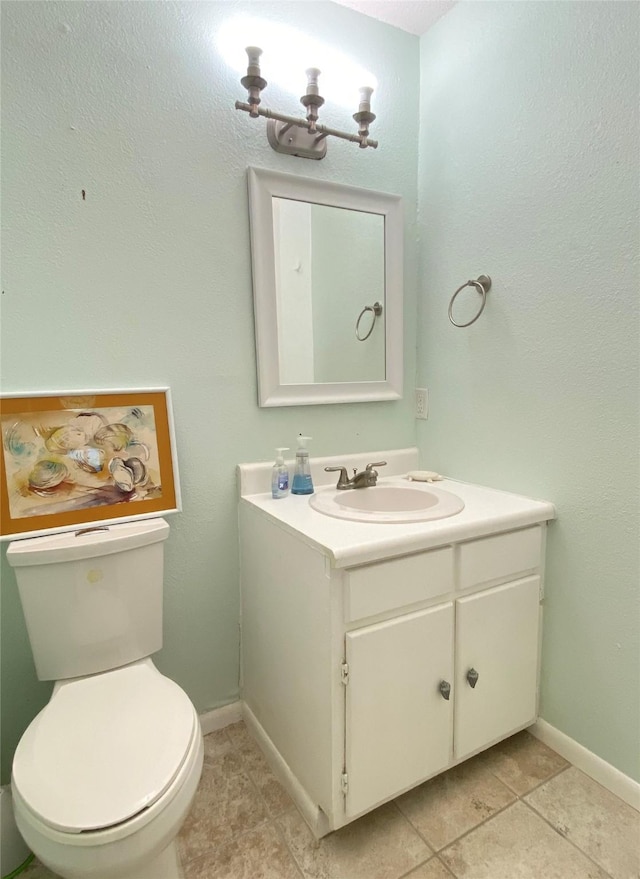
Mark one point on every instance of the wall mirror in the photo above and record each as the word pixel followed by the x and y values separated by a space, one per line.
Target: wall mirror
pixel 327 290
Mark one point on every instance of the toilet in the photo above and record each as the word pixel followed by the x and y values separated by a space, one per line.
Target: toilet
pixel 104 776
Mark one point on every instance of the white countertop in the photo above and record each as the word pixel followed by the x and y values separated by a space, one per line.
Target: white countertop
pixel 487 511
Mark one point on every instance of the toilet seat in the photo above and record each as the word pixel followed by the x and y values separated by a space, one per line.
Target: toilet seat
pixel 112 743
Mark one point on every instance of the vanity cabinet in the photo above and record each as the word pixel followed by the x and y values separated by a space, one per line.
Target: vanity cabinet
pixel 497 635
pixel 425 690
pixel 398 727
pixel 362 681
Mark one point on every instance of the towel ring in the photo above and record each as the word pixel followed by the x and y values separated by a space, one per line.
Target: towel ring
pixel 376 308
pixel 482 285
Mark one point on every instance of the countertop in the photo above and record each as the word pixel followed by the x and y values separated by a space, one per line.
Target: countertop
pixel 487 511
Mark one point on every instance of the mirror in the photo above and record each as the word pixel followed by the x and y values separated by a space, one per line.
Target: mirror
pixel 327 283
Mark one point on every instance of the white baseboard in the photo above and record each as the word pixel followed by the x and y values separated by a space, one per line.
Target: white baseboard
pixel 595 767
pixel 218 718
pixel 310 811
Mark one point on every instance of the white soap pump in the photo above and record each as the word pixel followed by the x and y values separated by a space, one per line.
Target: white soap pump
pixel 280 475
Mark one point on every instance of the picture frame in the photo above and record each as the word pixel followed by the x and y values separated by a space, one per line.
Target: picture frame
pixel 77 459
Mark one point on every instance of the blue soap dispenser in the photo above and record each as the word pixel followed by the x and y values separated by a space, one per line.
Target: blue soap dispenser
pixel 280 475
pixel 302 482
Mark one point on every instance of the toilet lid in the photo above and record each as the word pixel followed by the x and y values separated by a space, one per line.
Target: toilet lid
pixel 104 748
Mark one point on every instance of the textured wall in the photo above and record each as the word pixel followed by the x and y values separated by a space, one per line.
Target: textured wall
pixel 147 281
pixel 528 172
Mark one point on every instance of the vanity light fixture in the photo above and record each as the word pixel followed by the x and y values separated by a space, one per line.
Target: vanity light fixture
pixel 293 135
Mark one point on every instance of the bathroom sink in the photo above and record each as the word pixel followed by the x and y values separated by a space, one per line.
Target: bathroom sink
pixel 387 503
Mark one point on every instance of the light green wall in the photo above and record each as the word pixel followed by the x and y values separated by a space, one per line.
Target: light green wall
pixel 528 172
pixel 148 281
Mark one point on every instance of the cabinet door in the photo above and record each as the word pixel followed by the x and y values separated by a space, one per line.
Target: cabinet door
pixel 497 636
pixel 398 724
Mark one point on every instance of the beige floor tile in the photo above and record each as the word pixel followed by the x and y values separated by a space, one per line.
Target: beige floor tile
pixel 256 765
pixel 216 743
pixel 381 845
pixel 595 820
pixel 219 750
pixel 240 737
pixel 523 762
pixel 275 796
pixel 433 869
pixel 226 805
pixel 453 803
pixel 246 746
pixel 260 854
pixel 517 844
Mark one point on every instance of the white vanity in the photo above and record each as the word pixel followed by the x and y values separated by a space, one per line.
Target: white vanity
pixel 377 655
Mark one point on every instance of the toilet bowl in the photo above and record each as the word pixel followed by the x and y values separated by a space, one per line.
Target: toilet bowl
pixel 125 747
pixel 105 774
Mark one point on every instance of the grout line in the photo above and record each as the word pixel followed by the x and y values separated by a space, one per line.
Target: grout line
pixel 273 819
pixel 446 867
pixel 480 824
pixel 280 833
pixel 570 841
pixel 250 773
pixel 233 837
pixel 471 829
pixel 434 852
pixel 536 786
pixel 424 863
pixel 415 829
pixel 230 840
pixel 520 798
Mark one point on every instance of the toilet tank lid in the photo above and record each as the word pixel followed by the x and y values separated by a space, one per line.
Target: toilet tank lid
pixel 104 748
pixel 86 542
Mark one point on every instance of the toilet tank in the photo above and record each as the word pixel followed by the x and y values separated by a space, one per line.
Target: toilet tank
pixel 92 598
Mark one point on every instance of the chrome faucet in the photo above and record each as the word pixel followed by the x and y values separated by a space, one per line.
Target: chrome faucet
pixel 365 479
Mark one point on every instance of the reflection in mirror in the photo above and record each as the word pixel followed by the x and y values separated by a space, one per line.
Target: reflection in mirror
pixel 327 283
pixel 322 286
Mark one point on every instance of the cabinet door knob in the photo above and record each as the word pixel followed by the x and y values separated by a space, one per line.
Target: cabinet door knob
pixel 445 689
pixel 472 677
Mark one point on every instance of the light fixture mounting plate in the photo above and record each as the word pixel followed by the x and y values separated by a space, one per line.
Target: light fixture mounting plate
pixel 295 141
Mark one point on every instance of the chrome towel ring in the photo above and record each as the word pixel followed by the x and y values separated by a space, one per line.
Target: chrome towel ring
pixel 376 309
pixel 482 285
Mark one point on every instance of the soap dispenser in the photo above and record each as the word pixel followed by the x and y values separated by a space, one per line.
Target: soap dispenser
pixel 302 482
pixel 280 476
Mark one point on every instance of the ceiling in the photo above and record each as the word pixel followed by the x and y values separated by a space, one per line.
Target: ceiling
pixel 414 16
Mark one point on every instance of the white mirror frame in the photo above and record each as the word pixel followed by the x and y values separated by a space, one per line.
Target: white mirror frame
pixel 265 185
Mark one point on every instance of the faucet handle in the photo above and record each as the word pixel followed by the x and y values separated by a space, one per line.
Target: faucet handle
pixel 343 479
pixel 377 464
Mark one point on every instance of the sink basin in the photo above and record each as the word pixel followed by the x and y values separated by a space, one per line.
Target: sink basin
pixel 388 503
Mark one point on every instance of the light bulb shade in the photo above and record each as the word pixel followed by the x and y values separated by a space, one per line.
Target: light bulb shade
pixel 312 80
pixel 253 54
pixel 365 98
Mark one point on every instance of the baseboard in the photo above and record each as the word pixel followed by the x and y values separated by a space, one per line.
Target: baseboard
pixel 595 767
pixel 218 718
pixel 310 811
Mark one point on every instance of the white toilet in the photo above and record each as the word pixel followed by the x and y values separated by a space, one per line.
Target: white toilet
pixel 104 776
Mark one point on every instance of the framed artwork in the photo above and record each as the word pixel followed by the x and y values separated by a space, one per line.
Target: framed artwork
pixel 79 458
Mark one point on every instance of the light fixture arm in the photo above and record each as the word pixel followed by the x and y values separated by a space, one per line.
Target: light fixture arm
pixel 294 135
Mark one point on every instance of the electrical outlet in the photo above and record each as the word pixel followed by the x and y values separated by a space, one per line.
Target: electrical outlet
pixel 422 403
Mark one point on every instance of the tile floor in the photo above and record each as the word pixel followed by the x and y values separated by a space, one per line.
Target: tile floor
pixel 517 811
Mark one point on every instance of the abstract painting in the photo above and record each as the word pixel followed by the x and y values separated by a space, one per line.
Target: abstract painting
pixel 80 458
